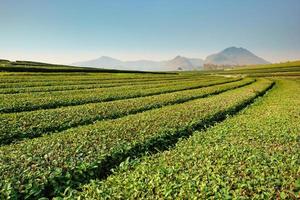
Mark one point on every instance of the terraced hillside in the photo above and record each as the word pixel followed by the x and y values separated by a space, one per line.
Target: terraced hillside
pixel 30 66
pixel 269 70
pixel 82 135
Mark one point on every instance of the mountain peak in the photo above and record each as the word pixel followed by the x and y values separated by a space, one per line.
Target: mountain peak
pixel 234 56
pixel 180 63
pixel 106 58
pixel 239 50
pixel 178 57
pixel 233 48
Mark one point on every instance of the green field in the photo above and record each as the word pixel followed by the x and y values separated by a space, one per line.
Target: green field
pixel 75 133
pixel 270 70
pixel 29 66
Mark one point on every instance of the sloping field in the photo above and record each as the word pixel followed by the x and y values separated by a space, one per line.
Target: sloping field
pixel 29 66
pixel 275 70
pixel 126 135
pixel 238 158
pixel 275 65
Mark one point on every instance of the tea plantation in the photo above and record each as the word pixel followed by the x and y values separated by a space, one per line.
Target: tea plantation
pixel 82 133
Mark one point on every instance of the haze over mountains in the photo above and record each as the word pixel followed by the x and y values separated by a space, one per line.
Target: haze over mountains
pixel 177 63
pixel 231 56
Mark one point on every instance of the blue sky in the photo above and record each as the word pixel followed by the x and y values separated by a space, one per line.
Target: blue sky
pixel 65 31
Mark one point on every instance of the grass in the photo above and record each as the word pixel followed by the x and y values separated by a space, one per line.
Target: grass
pixel 279 69
pixel 30 66
pixel 76 155
pixel 17 126
pixel 188 135
pixel 236 159
pixel 48 100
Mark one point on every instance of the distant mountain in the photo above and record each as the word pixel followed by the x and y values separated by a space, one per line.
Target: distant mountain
pixel 229 57
pixel 184 63
pixel 178 63
pixel 102 61
pixel 233 56
pixel 175 64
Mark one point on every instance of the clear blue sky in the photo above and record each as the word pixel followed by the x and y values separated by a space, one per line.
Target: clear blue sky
pixel 65 31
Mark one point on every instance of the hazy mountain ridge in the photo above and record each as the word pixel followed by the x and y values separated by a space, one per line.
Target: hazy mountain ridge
pixel 177 63
pixel 231 56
